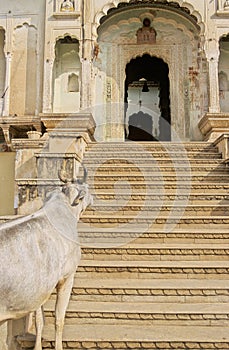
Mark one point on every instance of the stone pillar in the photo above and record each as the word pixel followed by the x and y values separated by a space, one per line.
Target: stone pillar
pixel 220 5
pixel 85 85
pixel 212 54
pixel 47 97
pixel 6 99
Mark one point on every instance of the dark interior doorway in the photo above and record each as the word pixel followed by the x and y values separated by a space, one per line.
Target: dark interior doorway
pixel 150 72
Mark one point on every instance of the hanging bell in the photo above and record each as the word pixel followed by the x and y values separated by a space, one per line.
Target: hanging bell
pixel 145 87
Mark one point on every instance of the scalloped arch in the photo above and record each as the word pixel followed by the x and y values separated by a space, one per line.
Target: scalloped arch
pixel 25 24
pixel 149 52
pixel 55 40
pixel 225 35
pixel 112 4
pixel 115 27
pixel 64 35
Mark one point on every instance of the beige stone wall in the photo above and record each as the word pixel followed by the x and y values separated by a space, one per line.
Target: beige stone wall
pixel 23 45
pixel 7 164
pixel 30 67
pixel 24 71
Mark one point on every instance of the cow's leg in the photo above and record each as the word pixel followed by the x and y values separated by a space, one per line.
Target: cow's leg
pixel 39 323
pixel 64 289
pixel 29 323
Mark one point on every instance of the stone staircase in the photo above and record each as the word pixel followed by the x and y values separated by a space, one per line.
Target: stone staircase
pixel 155 244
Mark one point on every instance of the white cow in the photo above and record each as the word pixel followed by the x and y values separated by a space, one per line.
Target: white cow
pixel 39 252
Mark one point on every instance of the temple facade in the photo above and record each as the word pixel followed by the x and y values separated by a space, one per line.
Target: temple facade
pixel 94 75
pixel 63 57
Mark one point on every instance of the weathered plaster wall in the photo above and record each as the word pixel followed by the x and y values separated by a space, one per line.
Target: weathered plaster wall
pixel 24 24
pixel 33 28
pixel 7 175
pixel 224 76
pixel 2 62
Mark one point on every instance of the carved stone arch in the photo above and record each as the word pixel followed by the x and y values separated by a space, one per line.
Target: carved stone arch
pixel 66 73
pixel 150 52
pixel 25 24
pixel 224 36
pixel 161 54
pixel 185 6
pixel 59 37
pixel 64 35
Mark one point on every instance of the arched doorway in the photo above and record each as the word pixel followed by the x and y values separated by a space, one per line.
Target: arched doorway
pixel 66 76
pixel 147 100
pixel 170 60
pixel 224 73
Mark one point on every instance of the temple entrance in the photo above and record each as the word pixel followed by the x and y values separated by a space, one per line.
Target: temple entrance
pixel 147 100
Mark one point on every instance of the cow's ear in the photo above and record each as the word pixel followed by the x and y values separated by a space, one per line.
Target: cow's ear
pixel 80 195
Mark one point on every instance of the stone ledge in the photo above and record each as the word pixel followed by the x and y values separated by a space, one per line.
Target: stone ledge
pixel 67 15
pixel 69 122
pixel 213 125
pixel 223 13
pixel 123 345
pixel 19 144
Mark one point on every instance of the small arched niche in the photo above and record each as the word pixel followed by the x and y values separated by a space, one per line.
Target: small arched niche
pixel 73 83
pixel 66 76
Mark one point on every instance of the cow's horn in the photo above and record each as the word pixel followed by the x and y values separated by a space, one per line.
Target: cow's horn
pixel 85 174
pixel 80 195
pixel 63 176
pixel 84 180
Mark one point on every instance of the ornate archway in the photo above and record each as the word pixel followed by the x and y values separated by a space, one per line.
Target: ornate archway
pixel 147 98
pixel 180 6
pixel 177 43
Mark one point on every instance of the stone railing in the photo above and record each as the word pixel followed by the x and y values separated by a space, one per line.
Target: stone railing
pixel 39 160
pixel 222 143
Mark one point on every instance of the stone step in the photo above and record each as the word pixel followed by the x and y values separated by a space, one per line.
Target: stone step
pixel 176 290
pixel 155 164
pixel 157 222
pixel 90 336
pixel 146 282
pixel 158 252
pixel 157 208
pixel 166 198
pixel 158 178
pixel 152 146
pixel 161 185
pixel 154 269
pixel 149 158
pixel 152 314
pixel 28 341
pixel 99 168
pixel 105 237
